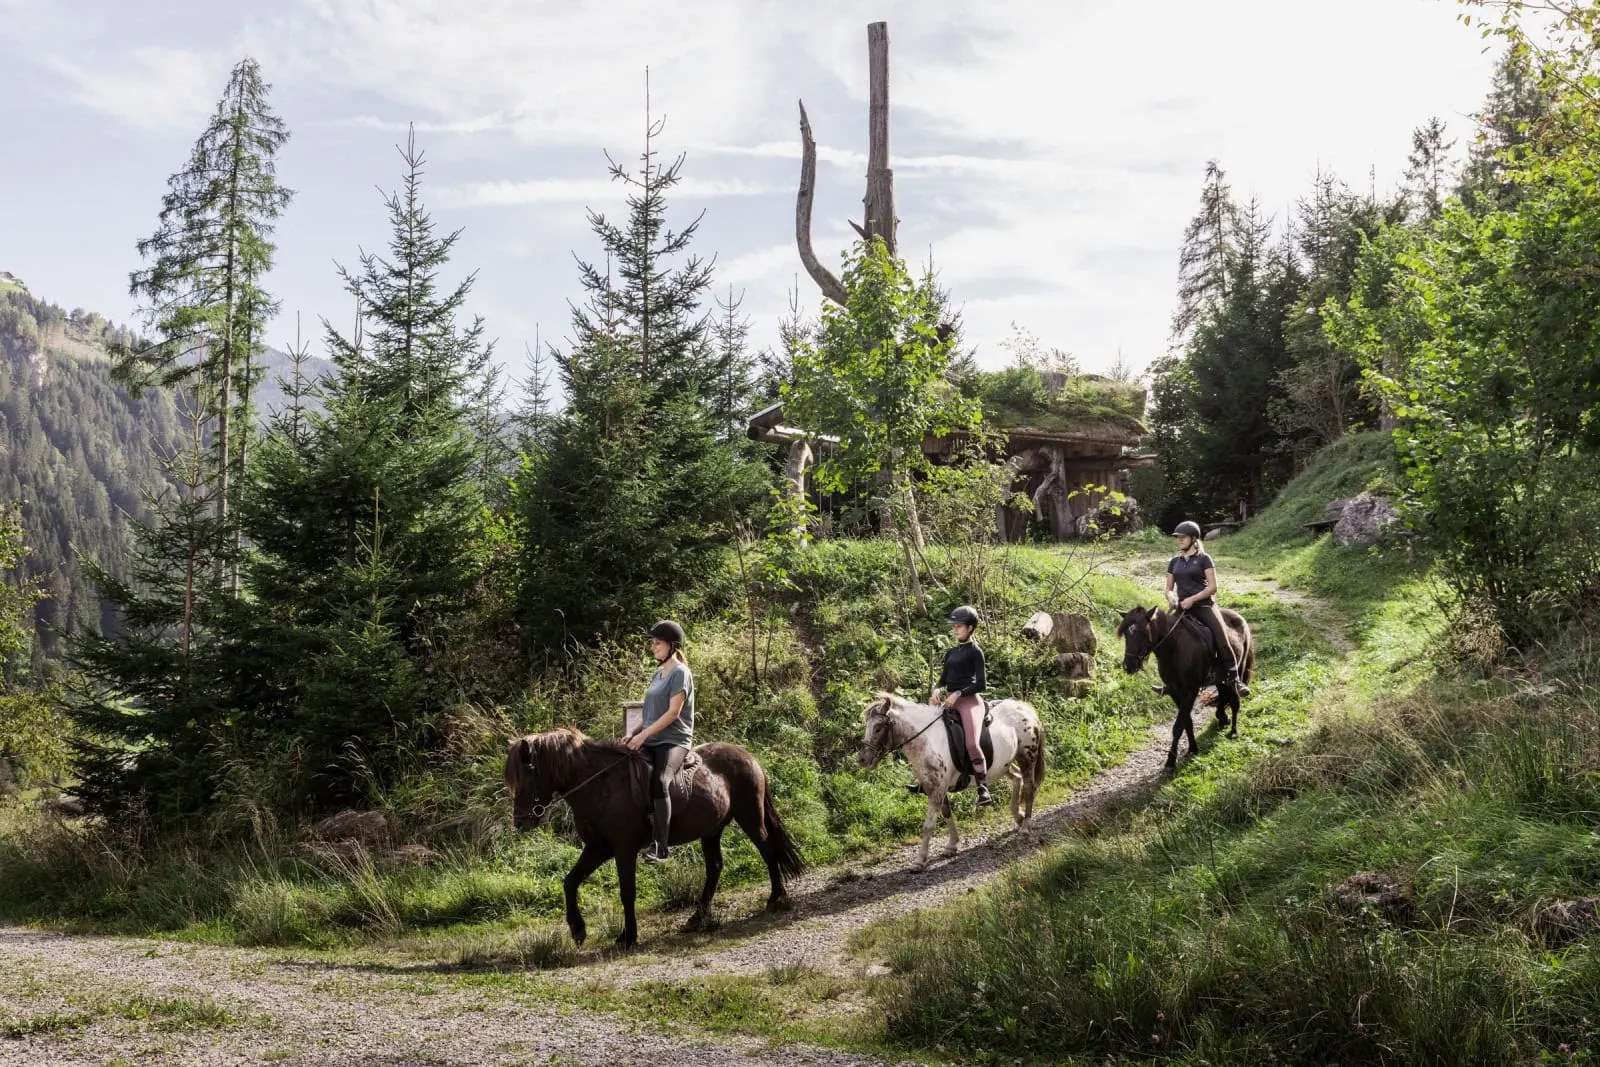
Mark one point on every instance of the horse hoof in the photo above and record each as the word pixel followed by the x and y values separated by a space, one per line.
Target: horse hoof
pixel 780 903
pixel 627 942
pixel 947 853
pixel 696 922
pixel 918 868
pixel 580 934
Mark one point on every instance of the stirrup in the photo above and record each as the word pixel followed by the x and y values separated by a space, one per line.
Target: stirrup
pixel 655 854
pixel 914 787
pixel 1159 690
pixel 985 798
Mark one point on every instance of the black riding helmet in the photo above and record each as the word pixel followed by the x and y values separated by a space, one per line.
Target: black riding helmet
pixel 1187 528
pixel 666 630
pixel 966 615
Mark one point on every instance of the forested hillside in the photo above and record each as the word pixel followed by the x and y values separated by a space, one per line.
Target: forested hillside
pixel 80 454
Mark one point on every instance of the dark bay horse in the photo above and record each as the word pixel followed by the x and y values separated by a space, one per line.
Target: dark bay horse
pixel 606 786
pixel 1187 665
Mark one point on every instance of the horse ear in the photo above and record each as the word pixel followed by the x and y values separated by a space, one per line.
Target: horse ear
pixel 1122 623
pixel 525 752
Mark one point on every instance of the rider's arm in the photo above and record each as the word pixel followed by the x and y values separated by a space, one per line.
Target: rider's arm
pixel 670 716
pixel 1172 592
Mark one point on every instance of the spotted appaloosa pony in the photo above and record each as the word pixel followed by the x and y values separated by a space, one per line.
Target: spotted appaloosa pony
pixel 893 722
pixel 1187 664
pixel 605 785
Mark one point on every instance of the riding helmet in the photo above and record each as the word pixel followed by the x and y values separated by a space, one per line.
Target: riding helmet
pixel 966 614
pixel 668 631
pixel 1186 528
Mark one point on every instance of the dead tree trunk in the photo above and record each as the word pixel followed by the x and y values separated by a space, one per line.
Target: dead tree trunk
pixel 878 218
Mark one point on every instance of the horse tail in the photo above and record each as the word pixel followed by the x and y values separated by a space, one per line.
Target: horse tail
pixel 1247 669
pixel 783 850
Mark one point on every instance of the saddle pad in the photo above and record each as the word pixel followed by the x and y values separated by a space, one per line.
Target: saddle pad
pixel 678 789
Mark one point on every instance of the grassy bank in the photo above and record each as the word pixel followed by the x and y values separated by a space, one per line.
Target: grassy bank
pixel 1407 879
pixel 819 651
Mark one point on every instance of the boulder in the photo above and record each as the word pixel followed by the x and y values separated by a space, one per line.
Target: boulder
pixel 1563 921
pixel 1213 534
pixel 1363 520
pixel 1374 893
pixel 1076 688
pixel 367 827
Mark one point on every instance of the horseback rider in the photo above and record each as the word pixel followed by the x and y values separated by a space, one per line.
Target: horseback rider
pixel 959 685
pixel 1191 585
pixel 667 729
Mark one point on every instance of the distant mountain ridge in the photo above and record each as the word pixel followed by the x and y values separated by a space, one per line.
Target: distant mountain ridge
pixel 81 455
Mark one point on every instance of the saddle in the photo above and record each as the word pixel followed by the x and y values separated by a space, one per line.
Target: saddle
pixel 958 744
pixel 678 789
pixel 1210 639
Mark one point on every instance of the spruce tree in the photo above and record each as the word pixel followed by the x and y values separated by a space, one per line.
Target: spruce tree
pixel 1205 260
pixel 1428 168
pixel 633 496
pixel 732 369
pixel 366 516
pixel 1517 102
pixel 203 289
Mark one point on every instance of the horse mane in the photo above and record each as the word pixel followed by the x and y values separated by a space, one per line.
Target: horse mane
pixel 559 753
pixel 895 701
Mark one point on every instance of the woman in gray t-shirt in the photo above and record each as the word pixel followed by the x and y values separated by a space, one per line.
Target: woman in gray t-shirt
pixel 667 730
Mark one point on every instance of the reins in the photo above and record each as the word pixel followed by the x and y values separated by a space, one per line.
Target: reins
pixel 896 748
pixel 539 810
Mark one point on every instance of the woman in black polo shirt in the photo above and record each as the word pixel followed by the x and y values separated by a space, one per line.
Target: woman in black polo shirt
pixel 1191 584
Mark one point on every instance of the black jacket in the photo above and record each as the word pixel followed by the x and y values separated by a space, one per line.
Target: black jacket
pixel 963 670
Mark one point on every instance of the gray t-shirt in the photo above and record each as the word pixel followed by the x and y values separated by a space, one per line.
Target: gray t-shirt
pixel 670 678
pixel 1189 574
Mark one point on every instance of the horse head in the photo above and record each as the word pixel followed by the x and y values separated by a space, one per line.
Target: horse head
pixel 875 739
pixel 531 792
pixel 1138 641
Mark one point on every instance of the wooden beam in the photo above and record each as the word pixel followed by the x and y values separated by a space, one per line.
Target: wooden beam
pixel 879 220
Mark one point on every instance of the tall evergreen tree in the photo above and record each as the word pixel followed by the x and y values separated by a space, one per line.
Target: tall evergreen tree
pixel 1517 103
pixel 1428 168
pixel 633 497
pixel 1205 260
pixel 365 518
pixel 532 417
pixel 732 368
pixel 203 289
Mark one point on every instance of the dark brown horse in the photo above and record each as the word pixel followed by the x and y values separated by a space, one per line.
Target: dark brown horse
pixel 606 786
pixel 1187 664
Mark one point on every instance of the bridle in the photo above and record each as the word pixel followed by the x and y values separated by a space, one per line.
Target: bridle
pixel 876 753
pixel 1176 619
pixel 538 809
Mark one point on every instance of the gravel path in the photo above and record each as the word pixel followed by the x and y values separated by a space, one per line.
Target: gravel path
pixel 832 905
pixel 297 1013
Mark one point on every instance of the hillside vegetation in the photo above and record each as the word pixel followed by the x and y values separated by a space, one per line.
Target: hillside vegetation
pixel 1410 880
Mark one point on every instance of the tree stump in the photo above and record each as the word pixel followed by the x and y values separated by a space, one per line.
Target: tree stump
pixel 1072 633
pixel 1074 664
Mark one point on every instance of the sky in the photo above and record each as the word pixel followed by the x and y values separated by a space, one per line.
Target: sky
pixel 1047 154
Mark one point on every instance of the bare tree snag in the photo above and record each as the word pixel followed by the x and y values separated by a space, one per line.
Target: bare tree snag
pixel 879 218
pixel 879 201
pixel 830 285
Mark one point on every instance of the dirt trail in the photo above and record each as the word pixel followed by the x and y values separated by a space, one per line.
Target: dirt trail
pixel 296 1011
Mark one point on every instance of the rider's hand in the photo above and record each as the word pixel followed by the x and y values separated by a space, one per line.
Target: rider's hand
pixel 633 741
pixel 950 700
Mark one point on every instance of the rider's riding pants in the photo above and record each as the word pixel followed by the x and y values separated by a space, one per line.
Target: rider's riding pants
pixel 1208 614
pixel 665 761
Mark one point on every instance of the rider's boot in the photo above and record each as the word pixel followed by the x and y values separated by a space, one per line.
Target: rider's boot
pixel 660 821
pixel 1237 683
pixel 984 798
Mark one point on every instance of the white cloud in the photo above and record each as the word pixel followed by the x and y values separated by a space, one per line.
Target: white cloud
pixel 580 191
pixel 149 88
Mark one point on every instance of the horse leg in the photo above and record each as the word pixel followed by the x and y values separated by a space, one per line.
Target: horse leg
pixel 627 867
pixel 751 817
pixel 950 821
pixel 1238 709
pixel 711 846
pixel 935 802
pixel 589 861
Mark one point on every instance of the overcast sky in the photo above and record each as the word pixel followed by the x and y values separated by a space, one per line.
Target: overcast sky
pixel 1048 152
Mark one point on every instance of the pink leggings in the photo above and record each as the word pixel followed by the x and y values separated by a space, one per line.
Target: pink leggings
pixel 971 709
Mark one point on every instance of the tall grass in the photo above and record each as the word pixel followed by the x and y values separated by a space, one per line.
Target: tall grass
pixel 1220 925
pixel 846 631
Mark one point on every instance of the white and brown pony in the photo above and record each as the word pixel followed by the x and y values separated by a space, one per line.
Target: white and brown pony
pixel 894 723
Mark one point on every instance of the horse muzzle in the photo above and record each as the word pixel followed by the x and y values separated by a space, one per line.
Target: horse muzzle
pixel 1131 665
pixel 868 757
